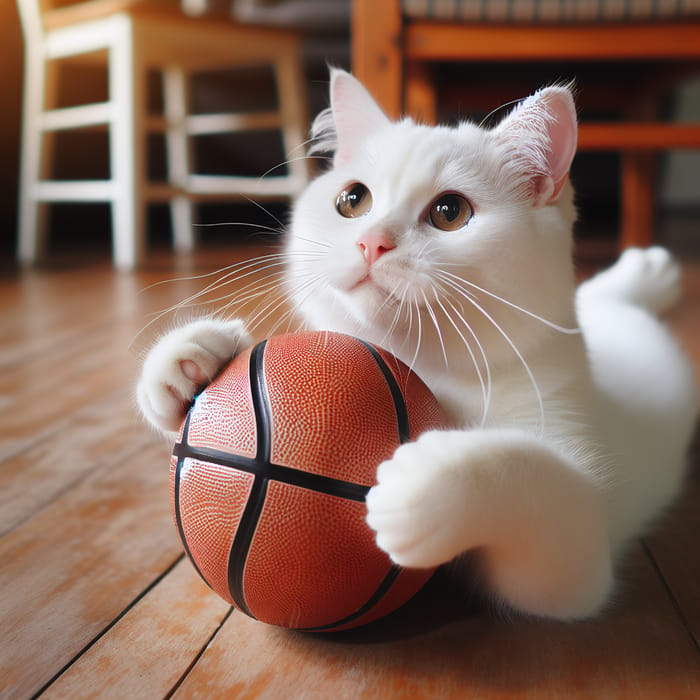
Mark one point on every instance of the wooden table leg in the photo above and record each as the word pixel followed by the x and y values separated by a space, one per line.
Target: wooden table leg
pixel 638 195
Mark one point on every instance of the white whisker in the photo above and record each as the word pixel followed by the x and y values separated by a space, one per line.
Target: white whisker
pixel 322 244
pixel 389 298
pixel 546 322
pixel 520 357
pixel 431 313
pixel 287 162
pixel 419 339
pixel 269 309
pixel 485 385
pixel 232 276
pixel 242 224
pixel 498 109
pixel 256 291
pixel 265 211
pixel 394 322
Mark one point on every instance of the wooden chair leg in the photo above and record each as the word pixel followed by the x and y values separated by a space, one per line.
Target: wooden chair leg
pixel 176 103
pixel 638 199
pixel 290 87
pixel 377 58
pixel 421 100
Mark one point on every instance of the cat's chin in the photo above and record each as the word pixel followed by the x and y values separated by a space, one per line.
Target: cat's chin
pixel 370 294
pixel 366 301
pixel 366 283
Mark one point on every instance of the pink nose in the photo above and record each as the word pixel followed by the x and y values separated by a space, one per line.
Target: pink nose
pixel 374 243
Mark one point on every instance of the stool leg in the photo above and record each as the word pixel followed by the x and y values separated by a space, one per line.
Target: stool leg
pixel 31 235
pixel 176 106
pixel 127 145
pixel 48 149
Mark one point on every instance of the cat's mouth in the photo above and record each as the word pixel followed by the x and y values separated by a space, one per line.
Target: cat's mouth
pixel 373 291
pixel 362 282
pixel 369 282
pixel 385 283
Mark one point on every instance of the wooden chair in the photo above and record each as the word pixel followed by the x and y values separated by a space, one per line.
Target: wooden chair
pixel 400 46
pixel 133 37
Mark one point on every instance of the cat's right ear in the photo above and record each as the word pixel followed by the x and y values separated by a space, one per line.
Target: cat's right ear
pixel 540 136
pixel 353 115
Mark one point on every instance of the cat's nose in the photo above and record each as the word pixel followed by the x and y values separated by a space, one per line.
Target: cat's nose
pixel 374 243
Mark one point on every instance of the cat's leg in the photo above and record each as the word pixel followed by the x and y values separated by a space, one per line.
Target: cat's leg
pixel 645 277
pixel 180 363
pixel 539 522
pixel 646 401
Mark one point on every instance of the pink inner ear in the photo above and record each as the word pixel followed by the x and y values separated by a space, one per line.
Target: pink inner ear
pixel 563 137
pixel 543 131
pixel 355 114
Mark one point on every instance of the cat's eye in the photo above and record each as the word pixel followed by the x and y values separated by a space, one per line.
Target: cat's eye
pixel 449 212
pixel 355 200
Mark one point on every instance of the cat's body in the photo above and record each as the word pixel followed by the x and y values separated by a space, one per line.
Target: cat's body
pixel 571 410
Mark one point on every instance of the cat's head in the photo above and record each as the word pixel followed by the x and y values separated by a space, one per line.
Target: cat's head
pixel 417 227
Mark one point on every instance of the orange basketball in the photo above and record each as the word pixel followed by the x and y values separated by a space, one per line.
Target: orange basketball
pixel 270 472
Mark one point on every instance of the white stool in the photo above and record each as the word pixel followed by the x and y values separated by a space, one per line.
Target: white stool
pixel 134 36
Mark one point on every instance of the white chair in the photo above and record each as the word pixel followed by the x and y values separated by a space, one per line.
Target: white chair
pixel 133 37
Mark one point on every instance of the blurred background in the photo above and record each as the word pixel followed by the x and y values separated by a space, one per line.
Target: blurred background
pixel 327 39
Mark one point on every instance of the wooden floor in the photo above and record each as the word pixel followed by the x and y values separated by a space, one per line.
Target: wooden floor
pixel 96 599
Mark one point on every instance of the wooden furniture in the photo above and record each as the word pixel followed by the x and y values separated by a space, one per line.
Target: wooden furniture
pixel 132 37
pixel 399 56
pixel 97 600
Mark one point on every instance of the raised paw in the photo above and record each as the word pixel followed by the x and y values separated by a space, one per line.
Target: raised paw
pixel 416 508
pixel 646 277
pixel 180 363
pixel 654 277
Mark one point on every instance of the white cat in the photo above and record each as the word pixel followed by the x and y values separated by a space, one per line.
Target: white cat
pixel 572 410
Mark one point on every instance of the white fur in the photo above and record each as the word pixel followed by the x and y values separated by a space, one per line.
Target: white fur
pixel 165 388
pixel 571 412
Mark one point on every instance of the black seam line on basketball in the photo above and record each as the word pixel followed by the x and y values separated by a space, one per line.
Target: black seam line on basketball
pixel 275 472
pixel 258 491
pixel 261 402
pixel 382 589
pixel 176 495
pixel 241 543
pixel 399 402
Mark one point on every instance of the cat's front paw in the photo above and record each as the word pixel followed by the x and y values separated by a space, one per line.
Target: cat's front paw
pixel 180 363
pixel 417 507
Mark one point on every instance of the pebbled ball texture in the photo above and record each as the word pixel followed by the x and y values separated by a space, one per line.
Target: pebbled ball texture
pixel 269 476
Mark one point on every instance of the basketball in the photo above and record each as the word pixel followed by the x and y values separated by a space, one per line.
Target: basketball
pixel 270 472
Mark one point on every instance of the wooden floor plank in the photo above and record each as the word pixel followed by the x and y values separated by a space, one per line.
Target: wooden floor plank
pixel 101 436
pixel 145 654
pixel 85 301
pixel 45 384
pixel 85 531
pixel 74 567
pixel 44 407
pixel 675 551
pixel 674 546
pixel 637 650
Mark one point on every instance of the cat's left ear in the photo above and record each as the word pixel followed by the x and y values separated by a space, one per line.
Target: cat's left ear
pixel 354 112
pixel 542 133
